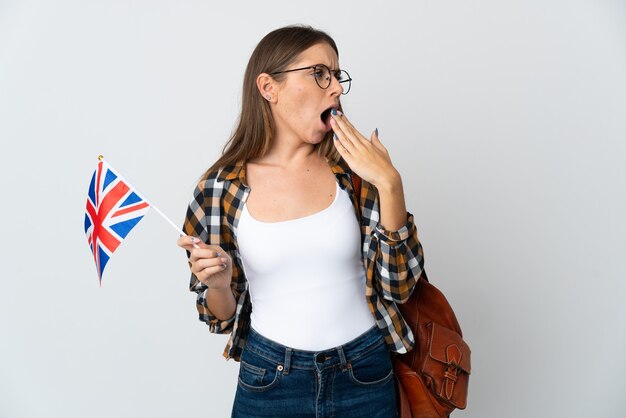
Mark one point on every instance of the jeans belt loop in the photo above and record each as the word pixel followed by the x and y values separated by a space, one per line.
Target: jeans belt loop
pixel 342 358
pixel 288 353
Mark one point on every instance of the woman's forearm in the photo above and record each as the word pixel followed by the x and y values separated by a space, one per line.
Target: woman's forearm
pixel 221 302
pixel 392 203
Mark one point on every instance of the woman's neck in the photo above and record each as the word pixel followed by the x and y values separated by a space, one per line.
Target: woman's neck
pixel 289 153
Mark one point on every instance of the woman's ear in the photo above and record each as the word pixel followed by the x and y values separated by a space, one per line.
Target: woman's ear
pixel 267 87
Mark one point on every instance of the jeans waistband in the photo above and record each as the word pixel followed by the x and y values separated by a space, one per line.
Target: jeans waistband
pixel 303 359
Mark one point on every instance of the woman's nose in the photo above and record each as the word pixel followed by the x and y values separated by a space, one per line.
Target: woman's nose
pixel 335 85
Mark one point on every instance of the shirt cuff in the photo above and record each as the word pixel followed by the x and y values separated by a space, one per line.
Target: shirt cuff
pixel 396 237
pixel 196 285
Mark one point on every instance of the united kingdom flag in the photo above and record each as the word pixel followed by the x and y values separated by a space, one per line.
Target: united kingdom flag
pixel 113 209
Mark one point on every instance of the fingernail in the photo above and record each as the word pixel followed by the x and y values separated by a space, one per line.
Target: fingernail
pixel 333 111
pixel 339 112
pixel 223 260
pixel 194 240
pixel 335 136
pixel 223 266
pixel 376 131
pixel 218 254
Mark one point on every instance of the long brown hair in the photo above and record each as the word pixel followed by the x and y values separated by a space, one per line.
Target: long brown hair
pixel 255 126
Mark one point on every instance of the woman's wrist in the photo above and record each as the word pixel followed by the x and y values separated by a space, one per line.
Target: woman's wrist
pixel 219 289
pixel 221 302
pixel 391 183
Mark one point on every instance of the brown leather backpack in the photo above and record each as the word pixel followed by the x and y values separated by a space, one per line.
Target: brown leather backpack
pixel 433 378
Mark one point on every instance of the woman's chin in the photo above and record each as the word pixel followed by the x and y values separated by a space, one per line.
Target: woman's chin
pixel 319 138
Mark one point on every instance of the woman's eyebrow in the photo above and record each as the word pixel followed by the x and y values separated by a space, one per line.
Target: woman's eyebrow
pixel 329 66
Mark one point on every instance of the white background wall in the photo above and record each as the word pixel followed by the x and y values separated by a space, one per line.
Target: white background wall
pixel 507 120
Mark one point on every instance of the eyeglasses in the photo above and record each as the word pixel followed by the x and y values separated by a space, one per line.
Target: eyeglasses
pixel 323 76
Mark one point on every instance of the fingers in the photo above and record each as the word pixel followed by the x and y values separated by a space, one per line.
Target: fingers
pixel 209 266
pixel 202 255
pixel 375 140
pixel 348 136
pixel 206 262
pixel 189 242
pixel 342 150
pixel 345 124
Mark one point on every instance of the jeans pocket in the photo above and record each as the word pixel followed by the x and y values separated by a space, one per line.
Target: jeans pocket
pixel 372 369
pixel 258 374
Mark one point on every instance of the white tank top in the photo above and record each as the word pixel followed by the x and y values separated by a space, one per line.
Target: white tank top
pixel 306 278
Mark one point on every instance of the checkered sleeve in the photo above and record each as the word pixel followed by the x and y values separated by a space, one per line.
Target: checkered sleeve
pixel 200 212
pixel 399 260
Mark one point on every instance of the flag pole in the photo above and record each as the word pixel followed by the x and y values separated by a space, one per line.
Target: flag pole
pixel 180 231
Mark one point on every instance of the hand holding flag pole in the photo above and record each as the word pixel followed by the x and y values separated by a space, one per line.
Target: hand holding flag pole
pixel 113 209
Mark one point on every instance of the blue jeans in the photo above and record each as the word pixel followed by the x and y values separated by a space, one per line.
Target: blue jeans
pixel 352 380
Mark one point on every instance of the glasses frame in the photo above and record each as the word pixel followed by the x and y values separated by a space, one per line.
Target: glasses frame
pixel 332 72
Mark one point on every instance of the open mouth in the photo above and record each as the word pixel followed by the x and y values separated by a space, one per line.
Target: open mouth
pixel 325 117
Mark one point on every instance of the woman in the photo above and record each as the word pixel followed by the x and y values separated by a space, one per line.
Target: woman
pixel 303 273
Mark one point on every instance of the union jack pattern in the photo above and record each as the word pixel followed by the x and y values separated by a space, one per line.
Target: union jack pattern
pixel 113 210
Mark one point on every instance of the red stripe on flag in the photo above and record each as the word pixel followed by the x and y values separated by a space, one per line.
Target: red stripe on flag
pixel 130 209
pixel 111 199
pixel 108 240
pixel 95 232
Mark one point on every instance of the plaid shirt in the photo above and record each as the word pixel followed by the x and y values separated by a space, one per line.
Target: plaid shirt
pixel 393 261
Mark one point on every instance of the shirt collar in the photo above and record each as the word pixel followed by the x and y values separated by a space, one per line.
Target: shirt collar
pixel 340 167
pixel 232 172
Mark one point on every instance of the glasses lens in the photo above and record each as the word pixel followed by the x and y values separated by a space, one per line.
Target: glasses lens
pixel 344 79
pixel 322 76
